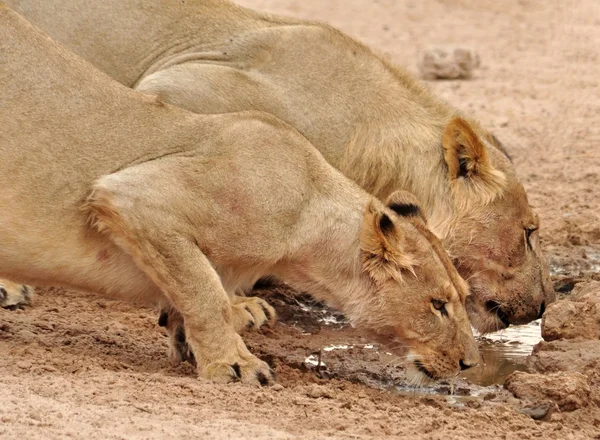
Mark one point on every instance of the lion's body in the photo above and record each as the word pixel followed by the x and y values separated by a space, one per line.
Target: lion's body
pixel 368 118
pixel 120 194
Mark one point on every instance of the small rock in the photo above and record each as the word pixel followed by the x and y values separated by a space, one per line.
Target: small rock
pixel 473 404
pixel 448 62
pixel 44 325
pixel 35 416
pixel 277 387
pixel 489 396
pixel 24 365
pixel 318 391
pixel 577 316
pixel 27 335
pixel 540 411
pixel 569 391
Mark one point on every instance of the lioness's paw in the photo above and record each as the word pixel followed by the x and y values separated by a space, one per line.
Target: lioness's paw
pixel 249 371
pixel 14 296
pixel 251 313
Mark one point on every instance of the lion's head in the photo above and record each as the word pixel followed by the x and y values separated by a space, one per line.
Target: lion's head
pixel 493 235
pixel 420 303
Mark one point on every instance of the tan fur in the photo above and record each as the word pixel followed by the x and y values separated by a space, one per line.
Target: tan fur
pixel 122 195
pixel 384 255
pixel 14 296
pixel 369 118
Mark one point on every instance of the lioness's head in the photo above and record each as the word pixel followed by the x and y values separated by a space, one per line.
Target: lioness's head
pixel 421 298
pixel 493 235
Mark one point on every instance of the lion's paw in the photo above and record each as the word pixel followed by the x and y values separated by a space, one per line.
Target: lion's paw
pixel 251 313
pixel 14 296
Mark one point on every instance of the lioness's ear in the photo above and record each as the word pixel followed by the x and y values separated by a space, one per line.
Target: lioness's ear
pixel 405 204
pixel 381 244
pixel 467 157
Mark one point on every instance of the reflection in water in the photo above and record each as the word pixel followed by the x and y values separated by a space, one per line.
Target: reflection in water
pixel 503 353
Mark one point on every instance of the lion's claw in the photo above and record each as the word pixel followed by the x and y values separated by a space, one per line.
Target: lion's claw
pixel 249 371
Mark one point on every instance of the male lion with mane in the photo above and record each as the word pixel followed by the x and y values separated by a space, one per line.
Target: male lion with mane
pixel 123 195
pixel 369 119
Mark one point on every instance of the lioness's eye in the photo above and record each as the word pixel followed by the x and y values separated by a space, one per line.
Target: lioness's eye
pixel 440 305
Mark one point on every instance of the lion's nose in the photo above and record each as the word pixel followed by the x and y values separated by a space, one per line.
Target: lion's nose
pixel 465 366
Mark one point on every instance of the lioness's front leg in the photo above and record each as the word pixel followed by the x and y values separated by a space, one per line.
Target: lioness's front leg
pixel 13 295
pixel 248 313
pixel 174 262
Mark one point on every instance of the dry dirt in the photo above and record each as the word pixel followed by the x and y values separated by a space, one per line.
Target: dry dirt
pixel 77 365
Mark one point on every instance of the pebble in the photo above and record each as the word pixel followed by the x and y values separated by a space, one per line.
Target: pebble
pixel 448 62
pixel 24 365
pixel 318 391
pixel 541 411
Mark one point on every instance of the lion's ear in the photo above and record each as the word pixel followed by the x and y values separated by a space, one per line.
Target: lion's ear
pixel 382 245
pixel 405 204
pixel 467 157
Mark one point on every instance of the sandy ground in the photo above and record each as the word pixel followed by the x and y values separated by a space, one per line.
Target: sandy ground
pixel 76 365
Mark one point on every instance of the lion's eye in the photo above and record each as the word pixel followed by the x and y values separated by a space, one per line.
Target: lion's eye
pixel 440 305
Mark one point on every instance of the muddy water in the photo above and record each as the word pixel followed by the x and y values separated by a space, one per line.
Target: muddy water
pixel 503 353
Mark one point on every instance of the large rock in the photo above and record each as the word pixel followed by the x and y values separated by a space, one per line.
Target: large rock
pixel 566 355
pixel 448 62
pixel 578 316
pixel 570 391
pixel 586 292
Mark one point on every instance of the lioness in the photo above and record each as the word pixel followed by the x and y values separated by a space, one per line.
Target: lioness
pixel 370 119
pixel 120 194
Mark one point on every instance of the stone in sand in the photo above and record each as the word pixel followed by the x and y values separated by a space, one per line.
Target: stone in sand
pixel 578 316
pixel 448 62
pixel 570 391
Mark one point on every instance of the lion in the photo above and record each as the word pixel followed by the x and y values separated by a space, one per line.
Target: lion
pixel 369 118
pixel 123 195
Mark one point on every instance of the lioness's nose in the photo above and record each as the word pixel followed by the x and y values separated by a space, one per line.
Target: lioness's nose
pixel 465 366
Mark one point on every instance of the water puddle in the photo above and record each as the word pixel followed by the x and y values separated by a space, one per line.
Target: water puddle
pixel 503 353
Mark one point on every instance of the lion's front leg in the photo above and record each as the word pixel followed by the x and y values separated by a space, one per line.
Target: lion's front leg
pixel 14 296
